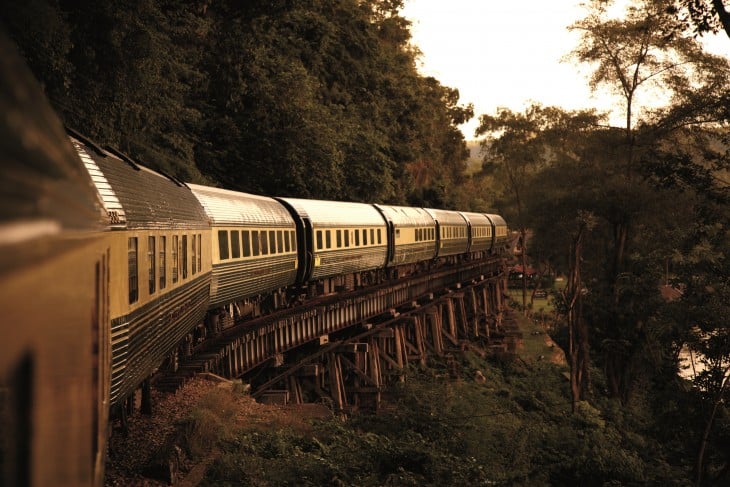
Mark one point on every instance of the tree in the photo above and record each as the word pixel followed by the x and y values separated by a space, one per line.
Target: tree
pixel 520 144
pixel 636 53
pixel 702 15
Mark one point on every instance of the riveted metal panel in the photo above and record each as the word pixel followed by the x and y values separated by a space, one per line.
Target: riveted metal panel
pixel 143 339
pixel 336 213
pixel 237 280
pixel 231 208
pixel 345 261
pixel 147 199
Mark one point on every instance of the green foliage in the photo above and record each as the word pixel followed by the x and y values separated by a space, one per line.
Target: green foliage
pixel 516 429
pixel 311 99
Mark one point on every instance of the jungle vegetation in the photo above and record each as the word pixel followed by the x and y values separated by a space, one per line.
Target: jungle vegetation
pixel 323 99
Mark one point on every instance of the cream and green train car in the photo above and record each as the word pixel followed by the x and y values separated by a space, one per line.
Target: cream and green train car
pixel 54 278
pixel 337 238
pixel 452 233
pixel 480 233
pixel 499 232
pixel 254 244
pixel 411 234
pixel 160 263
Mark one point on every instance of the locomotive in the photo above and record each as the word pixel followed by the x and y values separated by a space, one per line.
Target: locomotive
pixel 107 266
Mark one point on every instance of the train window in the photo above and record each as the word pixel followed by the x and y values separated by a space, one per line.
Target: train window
pixel 293 241
pixel 280 241
pixel 132 267
pixel 151 262
pixel 364 236
pixel 372 236
pixel 184 257
pixel 339 238
pixel 200 253
pixel 319 240
pixel 163 262
pixel 194 253
pixel 328 239
pixel 272 242
pixel 235 245
pixel 357 238
pixel 379 239
pixel 17 408
pixel 222 244
pixel 264 242
pixel 287 245
pixel 346 235
pixel 246 238
pixel 175 264
pixel 256 243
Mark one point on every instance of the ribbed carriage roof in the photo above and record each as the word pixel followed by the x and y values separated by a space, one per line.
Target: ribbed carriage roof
pixel 146 199
pixel 226 207
pixel 475 218
pixel 336 212
pixel 406 215
pixel 446 217
pixel 496 219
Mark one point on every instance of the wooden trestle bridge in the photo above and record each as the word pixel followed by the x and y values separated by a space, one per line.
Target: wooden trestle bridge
pixel 347 348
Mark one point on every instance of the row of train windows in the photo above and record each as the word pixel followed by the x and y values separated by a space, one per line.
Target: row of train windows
pixel 481 232
pixel 425 234
pixel 157 252
pixel 249 243
pixel 453 232
pixel 501 231
pixel 348 238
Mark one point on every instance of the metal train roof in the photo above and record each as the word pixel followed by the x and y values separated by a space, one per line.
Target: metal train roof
pixel 336 213
pixel 496 219
pixel 225 207
pixel 475 218
pixel 446 217
pixel 136 197
pixel 406 216
pixel 43 186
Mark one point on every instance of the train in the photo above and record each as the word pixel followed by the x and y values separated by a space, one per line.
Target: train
pixel 107 267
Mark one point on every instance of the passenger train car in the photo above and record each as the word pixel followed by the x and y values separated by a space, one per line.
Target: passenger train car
pixel 54 296
pixel 107 267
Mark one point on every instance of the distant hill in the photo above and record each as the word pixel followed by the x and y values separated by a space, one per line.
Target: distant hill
pixel 474 163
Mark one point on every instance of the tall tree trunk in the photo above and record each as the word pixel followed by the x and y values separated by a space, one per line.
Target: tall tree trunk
pixel 578 332
pixel 523 258
pixel 699 467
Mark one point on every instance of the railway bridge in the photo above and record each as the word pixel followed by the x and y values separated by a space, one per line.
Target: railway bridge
pixel 346 348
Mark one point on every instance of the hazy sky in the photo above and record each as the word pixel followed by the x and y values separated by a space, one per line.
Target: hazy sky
pixel 505 54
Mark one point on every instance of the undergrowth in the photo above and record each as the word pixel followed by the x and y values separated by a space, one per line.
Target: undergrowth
pixel 515 428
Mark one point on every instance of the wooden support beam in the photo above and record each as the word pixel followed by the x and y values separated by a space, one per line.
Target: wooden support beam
pixel 360 373
pixel 295 390
pixel 434 319
pixel 336 382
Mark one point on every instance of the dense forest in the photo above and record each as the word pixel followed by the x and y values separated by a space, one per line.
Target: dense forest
pixel 323 99
pixel 318 99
